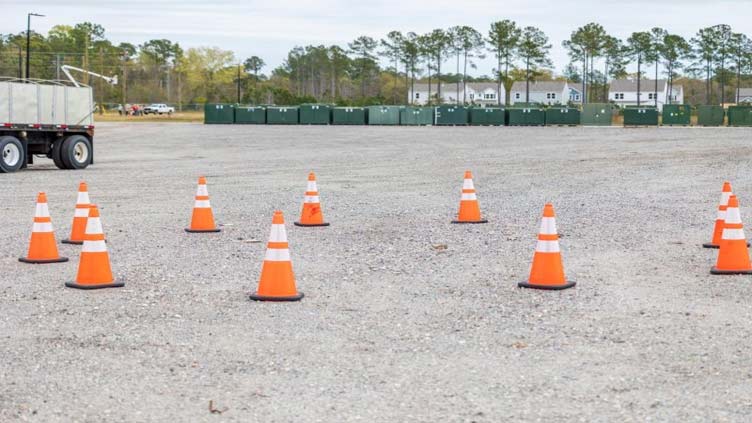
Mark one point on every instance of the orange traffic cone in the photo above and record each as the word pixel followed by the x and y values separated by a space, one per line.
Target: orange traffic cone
pixel 277 281
pixel 203 218
pixel 78 228
pixel 469 207
pixel 547 271
pixel 726 193
pixel 94 270
pixel 733 255
pixel 311 214
pixel 42 247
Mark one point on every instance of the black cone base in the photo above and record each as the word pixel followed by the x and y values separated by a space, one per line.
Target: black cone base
pixel 104 285
pixel 67 241
pixel 200 231
pixel 257 297
pixel 473 222
pixel 711 245
pixel 309 225
pixel 56 260
pixel 547 287
pixel 716 271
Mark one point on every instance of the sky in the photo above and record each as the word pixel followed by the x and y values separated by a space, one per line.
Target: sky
pixel 270 28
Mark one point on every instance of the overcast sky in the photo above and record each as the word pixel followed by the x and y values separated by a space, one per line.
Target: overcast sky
pixel 270 28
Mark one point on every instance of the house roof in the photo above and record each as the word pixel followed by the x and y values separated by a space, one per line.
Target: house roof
pixel 452 87
pixel 745 92
pixel 540 86
pixel 482 86
pixel 630 85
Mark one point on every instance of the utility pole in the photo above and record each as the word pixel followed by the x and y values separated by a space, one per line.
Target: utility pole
pixel 28 39
pixel 20 62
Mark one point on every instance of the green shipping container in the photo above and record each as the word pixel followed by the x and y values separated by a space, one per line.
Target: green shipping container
pixel 250 114
pixel 640 116
pixel 282 115
pixel 597 114
pixel 315 114
pixel 416 116
pixel 740 116
pixel 710 115
pixel 526 116
pixel 488 116
pixel 219 113
pixel 384 115
pixel 676 114
pixel 451 115
pixel 349 116
pixel 569 116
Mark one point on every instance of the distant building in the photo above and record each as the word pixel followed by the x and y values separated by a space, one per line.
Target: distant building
pixel 624 93
pixel 745 95
pixel 546 92
pixel 479 93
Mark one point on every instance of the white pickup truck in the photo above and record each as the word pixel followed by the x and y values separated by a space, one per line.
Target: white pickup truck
pixel 158 109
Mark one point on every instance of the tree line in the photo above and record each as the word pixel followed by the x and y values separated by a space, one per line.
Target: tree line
pixel 384 71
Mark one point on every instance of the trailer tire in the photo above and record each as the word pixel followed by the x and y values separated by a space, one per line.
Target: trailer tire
pixel 13 156
pixel 57 154
pixel 76 152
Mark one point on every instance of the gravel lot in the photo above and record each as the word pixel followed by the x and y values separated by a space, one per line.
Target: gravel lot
pixel 390 329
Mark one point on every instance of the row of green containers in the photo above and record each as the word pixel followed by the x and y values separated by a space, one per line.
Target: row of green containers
pixel 591 115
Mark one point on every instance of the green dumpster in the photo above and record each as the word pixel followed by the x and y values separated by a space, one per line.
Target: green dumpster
pixel 597 114
pixel 282 115
pixel 384 115
pixel 518 116
pixel 710 115
pixel 219 113
pixel 488 116
pixel 640 116
pixel 349 116
pixel 569 116
pixel 676 114
pixel 416 116
pixel 740 116
pixel 315 114
pixel 250 114
pixel 451 115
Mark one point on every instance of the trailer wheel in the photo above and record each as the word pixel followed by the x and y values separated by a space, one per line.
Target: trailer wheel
pixel 76 152
pixel 12 154
pixel 57 154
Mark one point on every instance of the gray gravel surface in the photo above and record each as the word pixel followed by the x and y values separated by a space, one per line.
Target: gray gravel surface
pixel 390 329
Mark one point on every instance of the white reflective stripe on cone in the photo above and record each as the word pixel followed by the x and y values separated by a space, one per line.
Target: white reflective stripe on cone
pixel 311 186
pixel 93 226
pixel 733 215
pixel 721 215
pixel 469 197
pixel 94 247
pixel 311 199
pixel 42 210
pixel 202 191
pixel 202 204
pixel 548 226
pixel 731 234
pixel 278 234
pixel 42 227
pixel 81 213
pixel 547 247
pixel 468 184
pixel 83 198
pixel 277 254
pixel 725 198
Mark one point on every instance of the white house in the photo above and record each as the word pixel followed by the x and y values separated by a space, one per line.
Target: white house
pixel 479 93
pixel 546 92
pixel 745 95
pixel 624 93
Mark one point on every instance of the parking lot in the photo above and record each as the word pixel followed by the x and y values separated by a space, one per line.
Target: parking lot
pixel 405 317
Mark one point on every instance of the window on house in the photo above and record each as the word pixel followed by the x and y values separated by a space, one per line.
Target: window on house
pixel 576 97
pixel 489 96
pixel 619 96
pixel 551 96
pixel 472 96
pixel 417 95
pixel 651 96
pixel 516 96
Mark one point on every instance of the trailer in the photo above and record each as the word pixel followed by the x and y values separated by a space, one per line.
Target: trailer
pixel 45 118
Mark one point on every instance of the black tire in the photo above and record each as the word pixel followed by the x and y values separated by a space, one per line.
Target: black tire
pixel 57 155
pixel 12 156
pixel 76 152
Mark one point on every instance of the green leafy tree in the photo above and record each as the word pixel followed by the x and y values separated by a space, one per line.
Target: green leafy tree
pixel 740 50
pixel 674 49
pixel 253 66
pixel 705 45
pixel 504 40
pixel 364 48
pixel 657 35
pixel 640 48
pixel 467 43
pixel 533 50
